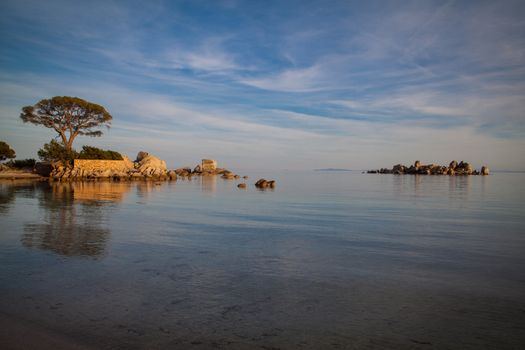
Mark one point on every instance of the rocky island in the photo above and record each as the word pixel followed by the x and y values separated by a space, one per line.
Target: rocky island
pixel 454 168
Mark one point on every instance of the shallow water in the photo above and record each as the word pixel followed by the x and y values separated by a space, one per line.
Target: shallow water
pixel 326 260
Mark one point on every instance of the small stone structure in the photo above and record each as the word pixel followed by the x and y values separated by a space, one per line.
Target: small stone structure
pixel 208 165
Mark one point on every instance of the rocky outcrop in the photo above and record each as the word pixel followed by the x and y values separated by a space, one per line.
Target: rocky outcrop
pixel 453 169
pixel 145 167
pixel 263 183
pixel 150 166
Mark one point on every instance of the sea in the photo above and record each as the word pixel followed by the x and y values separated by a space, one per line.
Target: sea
pixel 325 260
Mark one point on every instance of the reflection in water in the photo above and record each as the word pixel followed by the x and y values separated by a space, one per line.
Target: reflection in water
pixel 100 191
pixel 145 187
pixel 75 217
pixel 209 183
pixel 9 190
pixel 7 195
pixel 459 187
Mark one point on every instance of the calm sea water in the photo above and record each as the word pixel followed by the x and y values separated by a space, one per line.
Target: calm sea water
pixel 326 260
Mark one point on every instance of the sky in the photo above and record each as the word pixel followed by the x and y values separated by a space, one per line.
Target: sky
pixel 276 84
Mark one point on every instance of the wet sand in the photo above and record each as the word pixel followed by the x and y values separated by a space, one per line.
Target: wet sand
pixel 16 334
pixel 14 175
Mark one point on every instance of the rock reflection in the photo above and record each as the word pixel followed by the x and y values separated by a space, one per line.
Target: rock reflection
pixel 145 187
pixel 209 183
pixel 459 187
pixel 74 220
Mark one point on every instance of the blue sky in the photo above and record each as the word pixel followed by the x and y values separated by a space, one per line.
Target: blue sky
pixel 276 84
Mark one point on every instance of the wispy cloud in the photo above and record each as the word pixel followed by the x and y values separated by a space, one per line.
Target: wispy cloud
pixel 330 85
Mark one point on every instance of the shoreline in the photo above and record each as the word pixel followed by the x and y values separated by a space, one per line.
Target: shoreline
pixel 20 175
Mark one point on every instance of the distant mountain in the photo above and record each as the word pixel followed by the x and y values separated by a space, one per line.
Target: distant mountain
pixel 332 169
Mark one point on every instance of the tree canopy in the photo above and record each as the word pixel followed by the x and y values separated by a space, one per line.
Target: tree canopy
pixel 6 151
pixel 68 116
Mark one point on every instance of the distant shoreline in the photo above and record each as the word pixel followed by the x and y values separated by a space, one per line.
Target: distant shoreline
pixel 333 169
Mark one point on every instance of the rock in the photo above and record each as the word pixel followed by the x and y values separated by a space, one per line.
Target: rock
pixel 261 183
pixel 197 169
pixel 398 169
pixel 245 177
pixel 221 171
pixel 141 155
pixel 150 165
pixel 172 175
pixel 454 168
pixel 243 185
pixel 485 170
pixel 228 176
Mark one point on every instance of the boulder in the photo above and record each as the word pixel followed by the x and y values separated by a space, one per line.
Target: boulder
pixel 263 183
pixel 417 164
pixel 485 170
pixel 197 169
pixel 150 165
pixel 172 175
pixel 228 176
pixel 243 185
pixel 141 155
pixel 453 164
pixel 398 169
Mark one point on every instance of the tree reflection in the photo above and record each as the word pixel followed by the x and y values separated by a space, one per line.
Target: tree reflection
pixel 11 189
pixel 75 218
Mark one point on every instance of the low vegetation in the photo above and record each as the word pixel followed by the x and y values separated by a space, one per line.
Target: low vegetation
pixel 6 152
pixel 21 164
pixel 55 151
pixel 89 152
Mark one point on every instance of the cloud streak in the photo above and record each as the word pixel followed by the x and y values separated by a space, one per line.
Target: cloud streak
pixel 355 84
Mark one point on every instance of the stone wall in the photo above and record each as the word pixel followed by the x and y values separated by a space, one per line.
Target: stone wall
pixel 208 164
pixel 93 165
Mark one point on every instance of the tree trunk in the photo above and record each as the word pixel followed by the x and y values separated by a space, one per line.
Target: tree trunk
pixel 65 141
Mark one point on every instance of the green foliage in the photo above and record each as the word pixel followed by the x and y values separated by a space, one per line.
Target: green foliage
pixel 21 164
pixel 55 151
pixel 89 152
pixel 6 151
pixel 68 116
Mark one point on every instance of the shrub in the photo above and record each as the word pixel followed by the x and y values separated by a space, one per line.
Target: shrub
pixel 21 163
pixel 89 152
pixel 6 151
pixel 55 151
